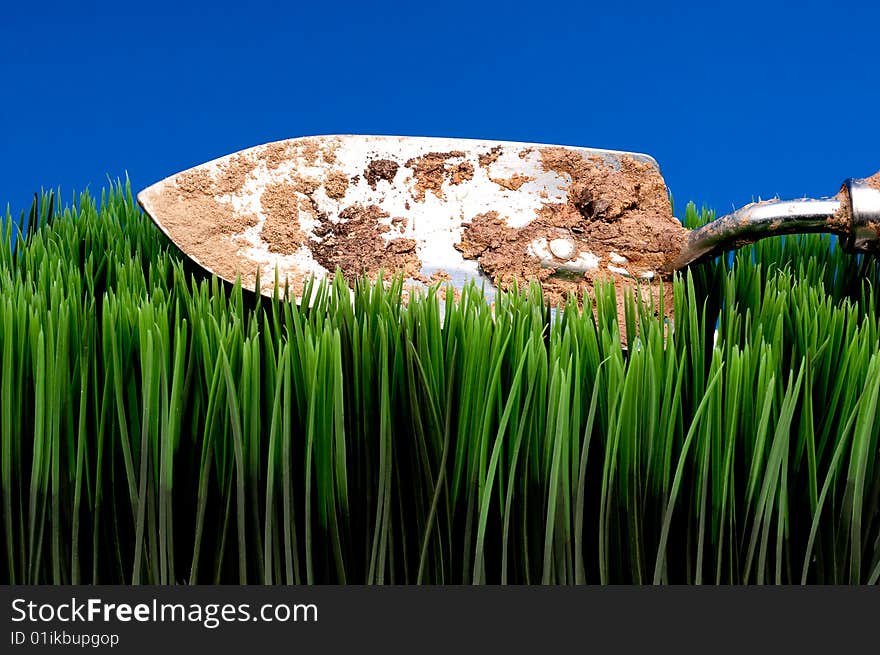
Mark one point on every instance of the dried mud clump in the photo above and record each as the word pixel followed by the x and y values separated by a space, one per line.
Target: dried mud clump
pixel 275 154
pixel 500 250
pixel 625 212
pixel 304 185
pixel 329 151
pixel 490 157
pixel 281 231
pixel 439 276
pixel 841 221
pixel 357 247
pixel 309 149
pixel 461 173
pixel 431 170
pixel 336 185
pixel 512 183
pixel 380 169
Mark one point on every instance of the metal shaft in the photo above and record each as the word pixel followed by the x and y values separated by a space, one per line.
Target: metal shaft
pixel 854 215
pixel 758 221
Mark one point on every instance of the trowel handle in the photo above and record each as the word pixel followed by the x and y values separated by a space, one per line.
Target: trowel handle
pixel 854 215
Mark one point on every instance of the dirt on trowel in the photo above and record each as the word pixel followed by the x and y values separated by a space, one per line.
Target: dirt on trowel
pixel 841 222
pixel 489 158
pixel 206 229
pixel 618 224
pixel 355 244
pixel 336 185
pixel 281 206
pixel 513 182
pixel 430 171
pixel 230 178
pixel 461 172
pixel 309 149
pixel 356 241
pixel 380 169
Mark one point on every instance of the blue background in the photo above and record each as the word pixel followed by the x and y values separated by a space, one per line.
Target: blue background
pixel 736 100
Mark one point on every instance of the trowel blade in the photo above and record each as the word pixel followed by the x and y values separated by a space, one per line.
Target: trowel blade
pixel 306 206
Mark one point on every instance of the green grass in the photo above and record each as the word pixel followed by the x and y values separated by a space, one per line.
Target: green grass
pixel 159 427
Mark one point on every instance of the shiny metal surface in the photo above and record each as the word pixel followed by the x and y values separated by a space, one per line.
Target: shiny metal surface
pixel 865 210
pixel 758 221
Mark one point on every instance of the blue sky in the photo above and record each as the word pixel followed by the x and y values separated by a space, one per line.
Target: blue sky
pixel 739 100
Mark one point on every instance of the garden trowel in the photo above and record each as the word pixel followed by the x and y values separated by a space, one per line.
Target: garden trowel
pixel 457 210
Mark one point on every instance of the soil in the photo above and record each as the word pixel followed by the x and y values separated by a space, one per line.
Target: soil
pixel 232 175
pixel 431 170
pixel 205 228
pixel 336 185
pixel 490 157
pixel 461 173
pixel 281 231
pixel 626 212
pixel 329 153
pixel 276 154
pixel 380 169
pixel 280 152
pixel 309 151
pixel 841 221
pixel 513 182
pixel 439 276
pixel 842 218
pixel 303 184
pixel 356 246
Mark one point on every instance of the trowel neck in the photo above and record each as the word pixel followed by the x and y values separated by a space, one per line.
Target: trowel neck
pixel 853 215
